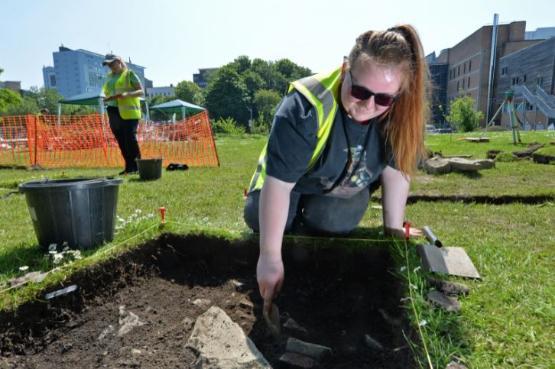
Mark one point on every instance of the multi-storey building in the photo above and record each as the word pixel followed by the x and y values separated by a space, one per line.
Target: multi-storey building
pixel 79 71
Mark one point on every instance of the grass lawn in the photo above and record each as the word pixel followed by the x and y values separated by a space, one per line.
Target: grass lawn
pixel 505 322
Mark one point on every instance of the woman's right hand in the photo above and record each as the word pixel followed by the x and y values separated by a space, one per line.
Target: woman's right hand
pixel 269 274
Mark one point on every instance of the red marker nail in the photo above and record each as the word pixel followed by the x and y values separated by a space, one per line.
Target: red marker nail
pixel 163 214
pixel 407 230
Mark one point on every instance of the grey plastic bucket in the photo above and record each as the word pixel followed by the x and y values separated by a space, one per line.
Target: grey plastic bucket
pixel 149 169
pixel 80 212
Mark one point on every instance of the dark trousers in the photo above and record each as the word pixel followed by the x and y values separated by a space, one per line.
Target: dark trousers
pixel 316 213
pixel 125 132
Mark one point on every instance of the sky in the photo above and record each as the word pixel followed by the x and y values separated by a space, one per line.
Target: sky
pixel 174 38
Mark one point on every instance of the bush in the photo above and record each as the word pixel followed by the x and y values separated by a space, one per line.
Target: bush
pixel 462 114
pixel 228 126
pixel 260 126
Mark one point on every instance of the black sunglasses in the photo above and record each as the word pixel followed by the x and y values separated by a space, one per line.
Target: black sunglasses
pixel 362 93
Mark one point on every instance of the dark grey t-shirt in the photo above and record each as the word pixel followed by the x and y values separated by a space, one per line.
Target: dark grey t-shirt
pixel 354 157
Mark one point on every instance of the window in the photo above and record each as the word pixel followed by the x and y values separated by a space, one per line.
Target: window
pixel 464 68
pixel 459 71
pixel 463 84
pixel 469 66
pixel 468 83
pixel 524 78
pixel 457 85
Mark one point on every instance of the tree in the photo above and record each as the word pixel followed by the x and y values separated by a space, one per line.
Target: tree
pixel 266 102
pixel 227 96
pixel 8 99
pixel 190 92
pixel 463 115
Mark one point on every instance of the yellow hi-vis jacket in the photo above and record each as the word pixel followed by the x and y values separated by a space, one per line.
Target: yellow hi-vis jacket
pixel 129 107
pixel 322 91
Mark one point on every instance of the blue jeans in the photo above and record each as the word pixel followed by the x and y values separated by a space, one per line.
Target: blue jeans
pixel 316 213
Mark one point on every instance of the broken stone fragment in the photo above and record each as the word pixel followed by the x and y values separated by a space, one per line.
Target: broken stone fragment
pixel 202 303
pixel 372 343
pixel 294 327
pixel 437 165
pixel 446 303
pixel 218 342
pixel 29 277
pixel 449 288
pixel 389 319
pixel 293 360
pixel 128 321
pixel 312 350
pixel 465 165
pixel 246 304
pixel 454 365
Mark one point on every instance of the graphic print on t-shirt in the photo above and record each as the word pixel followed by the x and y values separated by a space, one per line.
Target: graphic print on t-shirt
pixel 357 175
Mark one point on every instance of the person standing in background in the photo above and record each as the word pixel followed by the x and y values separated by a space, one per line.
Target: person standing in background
pixel 123 90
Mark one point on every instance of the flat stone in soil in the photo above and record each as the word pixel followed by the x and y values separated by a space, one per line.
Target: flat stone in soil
pixel 447 303
pixel 449 288
pixel 221 344
pixel 292 360
pixel 317 352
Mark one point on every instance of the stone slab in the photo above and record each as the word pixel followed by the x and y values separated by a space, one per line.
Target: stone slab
pixel 220 343
pixel 449 304
pixel 447 260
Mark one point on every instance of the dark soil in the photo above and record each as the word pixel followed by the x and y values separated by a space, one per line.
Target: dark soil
pixel 338 294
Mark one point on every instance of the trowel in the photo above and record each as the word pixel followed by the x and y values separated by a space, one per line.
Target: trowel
pixel 271 317
pixel 445 260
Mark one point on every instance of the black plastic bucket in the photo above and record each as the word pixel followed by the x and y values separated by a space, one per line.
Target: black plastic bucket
pixel 79 212
pixel 150 169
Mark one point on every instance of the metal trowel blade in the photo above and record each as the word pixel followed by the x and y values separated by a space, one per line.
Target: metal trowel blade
pixel 272 320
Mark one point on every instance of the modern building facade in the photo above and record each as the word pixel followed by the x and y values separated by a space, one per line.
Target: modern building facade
pixel 540 33
pixel 166 91
pixel 470 61
pixel 438 77
pixel 11 85
pixel 201 78
pixel 530 74
pixel 79 71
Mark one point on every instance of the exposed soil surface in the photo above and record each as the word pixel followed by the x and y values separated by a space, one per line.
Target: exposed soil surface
pixel 338 294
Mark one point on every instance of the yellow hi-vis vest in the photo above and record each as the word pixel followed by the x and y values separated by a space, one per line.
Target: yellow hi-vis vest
pixel 322 91
pixel 129 107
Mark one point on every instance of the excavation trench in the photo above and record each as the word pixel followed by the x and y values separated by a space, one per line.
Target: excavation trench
pixel 338 293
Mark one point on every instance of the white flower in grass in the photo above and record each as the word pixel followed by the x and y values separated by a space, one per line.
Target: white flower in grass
pixel 52 247
pixel 402 269
pixel 422 323
pixel 416 269
pixel 23 268
pixel 58 258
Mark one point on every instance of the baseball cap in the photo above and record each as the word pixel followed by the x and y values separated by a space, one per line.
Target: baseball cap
pixel 109 58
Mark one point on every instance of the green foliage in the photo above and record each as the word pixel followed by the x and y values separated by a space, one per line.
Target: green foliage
pixel 260 126
pixel 462 114
pixel 250 77
pixel 506 157
pixel 227 96
pixel 8 98
pixel 38 100
pixel 228 126
pixel 266 102
pixel 190 92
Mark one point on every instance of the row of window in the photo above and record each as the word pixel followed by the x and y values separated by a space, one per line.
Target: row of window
pixel 518 80
pixel 456 71
pixel 463 83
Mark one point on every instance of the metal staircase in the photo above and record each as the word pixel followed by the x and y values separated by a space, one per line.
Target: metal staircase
pixel 544 101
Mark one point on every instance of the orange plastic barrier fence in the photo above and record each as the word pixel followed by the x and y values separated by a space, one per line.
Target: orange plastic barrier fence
pixel 50 141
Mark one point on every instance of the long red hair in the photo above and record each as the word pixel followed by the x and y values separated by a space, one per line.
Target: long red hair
pixel 404 130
